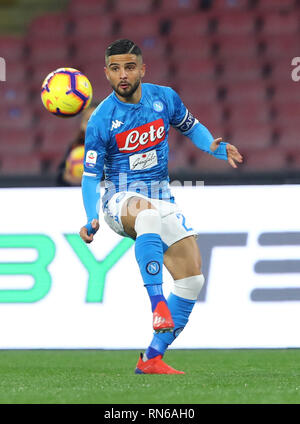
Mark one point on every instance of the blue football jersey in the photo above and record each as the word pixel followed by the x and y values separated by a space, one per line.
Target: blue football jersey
pixel 129 142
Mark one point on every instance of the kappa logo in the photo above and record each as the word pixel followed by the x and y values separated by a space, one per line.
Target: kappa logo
pixel 116 124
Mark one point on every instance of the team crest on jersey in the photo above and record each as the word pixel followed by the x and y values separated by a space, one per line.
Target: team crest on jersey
pixel 158 106
pixel 142 137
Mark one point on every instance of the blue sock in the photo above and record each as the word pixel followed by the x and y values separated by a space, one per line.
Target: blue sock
pixel 155 294
pixel 149 256
pixel 180 309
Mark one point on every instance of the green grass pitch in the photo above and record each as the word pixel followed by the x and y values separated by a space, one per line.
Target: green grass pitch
pixel 107 377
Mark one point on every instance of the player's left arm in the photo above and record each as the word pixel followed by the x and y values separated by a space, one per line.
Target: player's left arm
pixel 93 170
pixel 203 139
pixel 188 125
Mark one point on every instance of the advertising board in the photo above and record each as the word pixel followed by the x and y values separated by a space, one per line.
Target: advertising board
pixel 58 292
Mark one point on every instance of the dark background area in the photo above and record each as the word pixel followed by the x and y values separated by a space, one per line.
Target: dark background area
pixel 230 61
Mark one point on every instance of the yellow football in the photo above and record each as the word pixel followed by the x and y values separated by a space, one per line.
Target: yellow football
pixel 74 162
pixel 66 92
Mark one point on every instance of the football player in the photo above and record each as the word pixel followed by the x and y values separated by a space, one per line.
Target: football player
pixel 127 138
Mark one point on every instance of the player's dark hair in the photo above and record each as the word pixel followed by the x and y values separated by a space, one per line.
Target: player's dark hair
pixel 123 46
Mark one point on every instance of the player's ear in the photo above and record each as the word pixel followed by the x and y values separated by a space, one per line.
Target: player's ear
pixel 106 72
pixel 143 70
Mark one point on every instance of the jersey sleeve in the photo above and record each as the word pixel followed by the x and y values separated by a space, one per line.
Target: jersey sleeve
pixel 94 151
pixel 179 116
pixel 93 170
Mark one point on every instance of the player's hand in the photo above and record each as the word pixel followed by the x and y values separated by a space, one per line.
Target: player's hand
pixel 88 238
pixel 233 155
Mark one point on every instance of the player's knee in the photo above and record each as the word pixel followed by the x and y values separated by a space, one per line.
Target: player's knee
pixel 129 212
pixel 148 221
pixel 189 288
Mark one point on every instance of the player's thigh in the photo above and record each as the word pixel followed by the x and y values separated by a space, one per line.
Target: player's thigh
pixel 183 258
pixel 130 210
pixel 113 210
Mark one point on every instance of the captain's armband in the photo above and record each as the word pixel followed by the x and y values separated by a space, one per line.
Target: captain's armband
pixel 187 122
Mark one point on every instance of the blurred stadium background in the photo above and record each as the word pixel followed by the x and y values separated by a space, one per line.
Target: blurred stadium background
pixel 230 60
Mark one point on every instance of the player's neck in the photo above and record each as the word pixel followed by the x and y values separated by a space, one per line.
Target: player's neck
pixel 135 98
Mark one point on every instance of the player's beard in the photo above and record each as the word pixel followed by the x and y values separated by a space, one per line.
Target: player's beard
pixel 129 91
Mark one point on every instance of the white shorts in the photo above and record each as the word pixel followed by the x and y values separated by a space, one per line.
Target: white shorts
pixel 174 225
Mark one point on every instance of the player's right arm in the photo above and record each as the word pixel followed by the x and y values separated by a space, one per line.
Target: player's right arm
pixel 90 185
